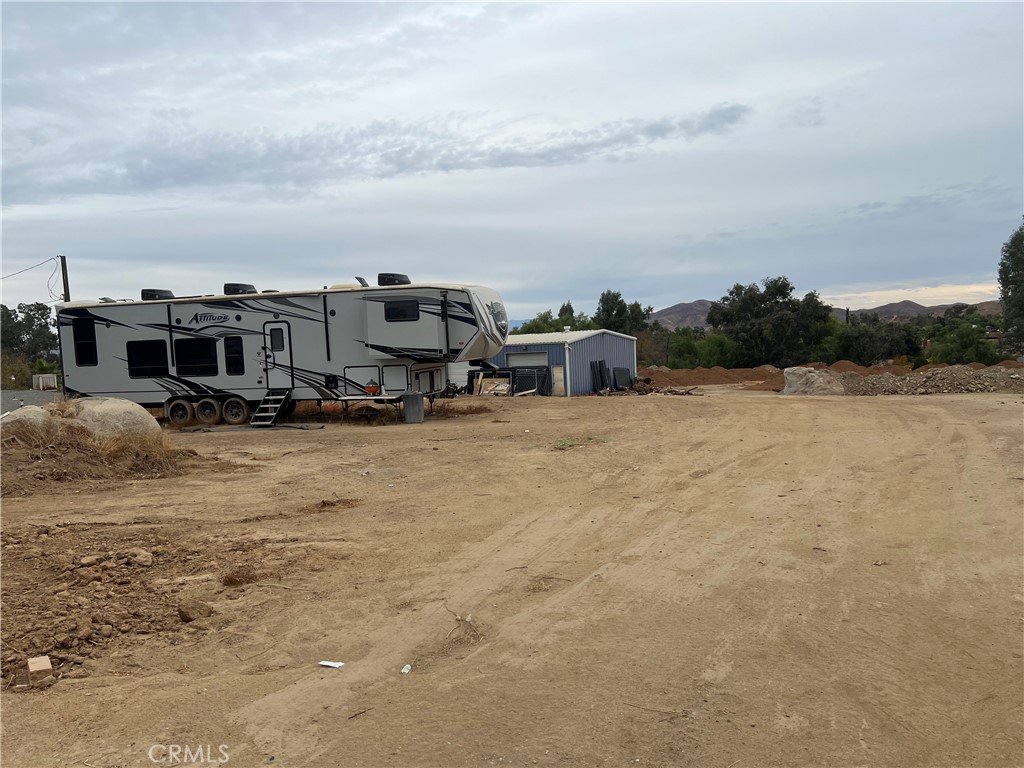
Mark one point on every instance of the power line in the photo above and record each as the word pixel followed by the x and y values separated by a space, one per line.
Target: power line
pixel 26 269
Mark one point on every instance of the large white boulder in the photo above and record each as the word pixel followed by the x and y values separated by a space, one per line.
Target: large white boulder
pixel 99 419
pixel 811 381
pixel 30 421
pixel 107 418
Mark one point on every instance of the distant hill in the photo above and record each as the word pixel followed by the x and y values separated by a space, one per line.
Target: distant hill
pixel 690 315
pixel 902 310
pixel 694 314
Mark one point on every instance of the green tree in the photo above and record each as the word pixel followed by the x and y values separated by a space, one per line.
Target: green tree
pixel 963 342
pixel 544 322
pixel 612 312
pixel 867 340
pixel 769 324
pixel 566 314
pixel 28 332
pixel 1011 291
pixel 15 370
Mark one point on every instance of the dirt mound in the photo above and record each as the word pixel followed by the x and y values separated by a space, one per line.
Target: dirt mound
pixel 28 471
pixel 41 448
pixel 845 366
pixel 1010 364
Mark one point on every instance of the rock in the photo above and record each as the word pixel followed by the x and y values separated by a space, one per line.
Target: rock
pixel 30 424
pixel 189 610
pixel 85 575
pixel 140 556
pixel 106 630
pixel 810 381
pixel 85 562
pixel 100 419
pixel 108 418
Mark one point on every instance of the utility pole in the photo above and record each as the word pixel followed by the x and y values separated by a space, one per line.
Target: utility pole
pixel 64 274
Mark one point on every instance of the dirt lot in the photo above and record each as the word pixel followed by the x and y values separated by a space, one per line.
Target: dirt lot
pixel 739 579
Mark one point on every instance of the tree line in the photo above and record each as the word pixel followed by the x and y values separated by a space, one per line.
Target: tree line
pixel 28 344
pixel 766 323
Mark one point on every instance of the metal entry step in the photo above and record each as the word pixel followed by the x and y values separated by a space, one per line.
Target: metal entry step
pixel 271 405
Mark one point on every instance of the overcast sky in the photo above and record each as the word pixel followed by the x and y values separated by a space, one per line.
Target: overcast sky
pixel 871 152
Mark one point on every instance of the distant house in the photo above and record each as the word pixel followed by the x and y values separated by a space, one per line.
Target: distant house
pixel 569 355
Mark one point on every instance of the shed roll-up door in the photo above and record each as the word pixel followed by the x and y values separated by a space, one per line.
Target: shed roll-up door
pixel 526 359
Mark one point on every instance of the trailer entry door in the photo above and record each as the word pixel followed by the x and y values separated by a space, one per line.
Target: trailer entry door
pixel 277 355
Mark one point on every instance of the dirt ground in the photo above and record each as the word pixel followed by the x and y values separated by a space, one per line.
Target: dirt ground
pixel 736 580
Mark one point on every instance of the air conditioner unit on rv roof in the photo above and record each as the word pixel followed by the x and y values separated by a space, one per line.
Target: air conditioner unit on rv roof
pixel 155 294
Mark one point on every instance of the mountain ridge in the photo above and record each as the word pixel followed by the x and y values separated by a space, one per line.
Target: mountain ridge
pixel 693 314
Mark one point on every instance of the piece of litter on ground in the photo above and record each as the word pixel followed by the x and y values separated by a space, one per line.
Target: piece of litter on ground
pixel 391 485
pixel 880 562
pixel 407 669
pixel 334 664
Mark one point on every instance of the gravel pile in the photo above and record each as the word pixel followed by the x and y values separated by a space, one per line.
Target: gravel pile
pixel 951 379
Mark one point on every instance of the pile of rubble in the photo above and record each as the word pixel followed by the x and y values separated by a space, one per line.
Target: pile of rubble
pixel 952 379
pixel 646 386
pixel 933 381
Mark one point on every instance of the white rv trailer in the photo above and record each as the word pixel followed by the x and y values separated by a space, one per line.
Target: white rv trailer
pixel 245 356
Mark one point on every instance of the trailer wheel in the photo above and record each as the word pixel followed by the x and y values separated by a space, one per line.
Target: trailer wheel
pixel 180 413
pixel 208 411
pixel 235 411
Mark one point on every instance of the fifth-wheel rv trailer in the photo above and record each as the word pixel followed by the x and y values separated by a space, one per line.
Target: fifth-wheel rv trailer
pixel 247 357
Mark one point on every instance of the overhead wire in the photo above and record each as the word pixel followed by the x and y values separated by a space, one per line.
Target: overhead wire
pixel 26 269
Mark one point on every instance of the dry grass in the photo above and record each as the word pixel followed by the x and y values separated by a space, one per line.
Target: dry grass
pixel 451 409
pixel 37 455
pixel 239 576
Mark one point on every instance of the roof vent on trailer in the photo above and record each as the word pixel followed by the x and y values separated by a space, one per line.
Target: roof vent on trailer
pixel 155 294
pixel 392 278
pixel 236 289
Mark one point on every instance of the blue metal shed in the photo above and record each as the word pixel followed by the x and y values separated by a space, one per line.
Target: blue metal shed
pixel 579 348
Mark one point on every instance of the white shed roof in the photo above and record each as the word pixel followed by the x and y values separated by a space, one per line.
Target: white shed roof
pixel 560 337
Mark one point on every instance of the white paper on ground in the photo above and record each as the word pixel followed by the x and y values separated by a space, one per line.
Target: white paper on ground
pixel 335 664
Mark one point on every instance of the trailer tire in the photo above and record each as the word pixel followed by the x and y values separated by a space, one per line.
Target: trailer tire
pixel 208 411
pixel 180 413
pixel 236 411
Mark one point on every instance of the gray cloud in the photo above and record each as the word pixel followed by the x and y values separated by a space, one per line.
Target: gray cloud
pixel 810 113
pixel 549 150
pixel 175 155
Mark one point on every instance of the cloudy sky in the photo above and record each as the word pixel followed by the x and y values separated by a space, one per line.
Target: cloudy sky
pixel 871 152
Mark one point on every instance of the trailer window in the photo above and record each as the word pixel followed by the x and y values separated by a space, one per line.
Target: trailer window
pixel 84 331
pixel 277 339
pixel 405 311
pixel 147 359
pixel 196 357
pixel 234 360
